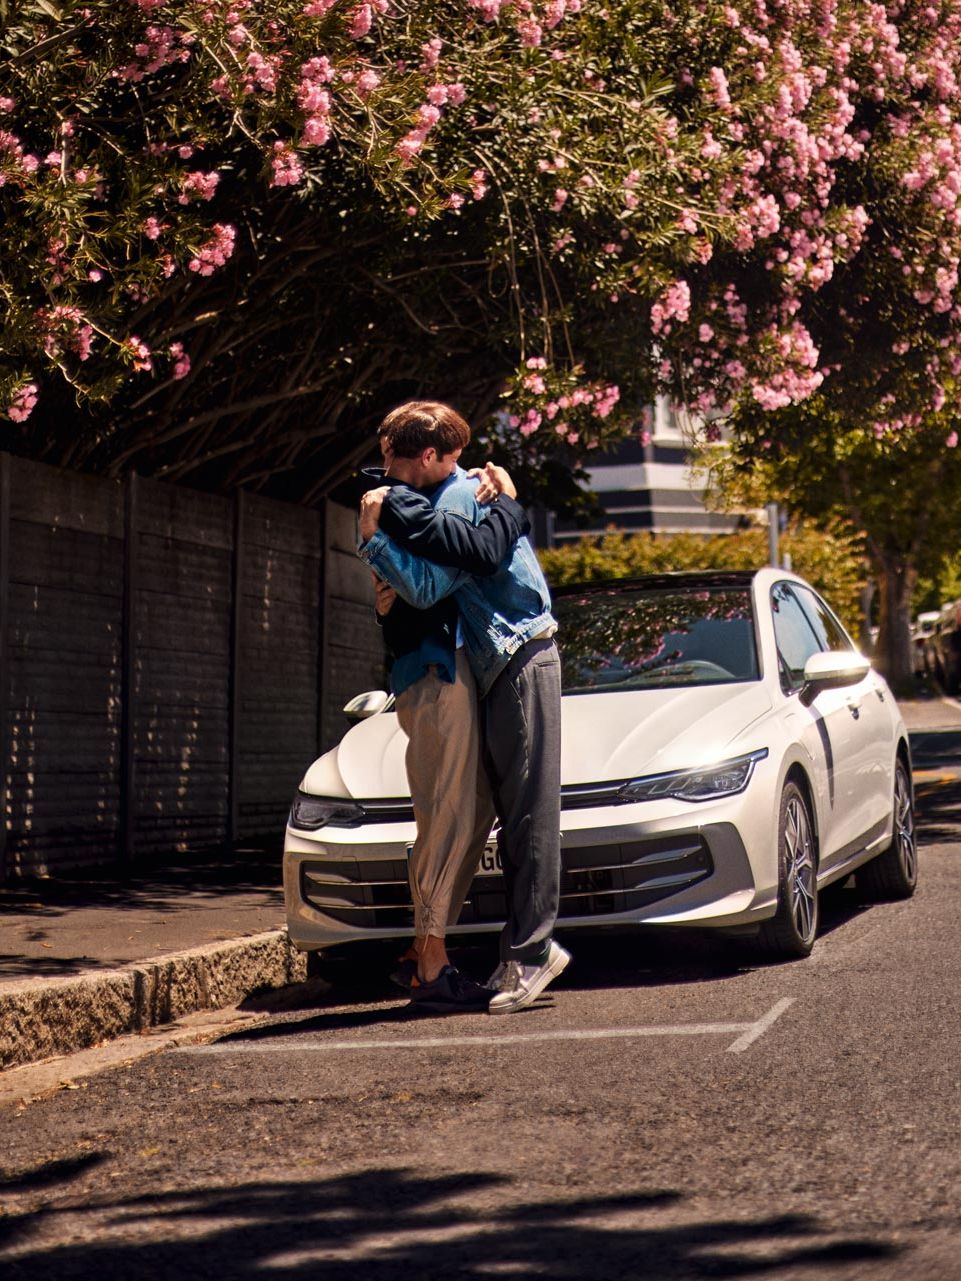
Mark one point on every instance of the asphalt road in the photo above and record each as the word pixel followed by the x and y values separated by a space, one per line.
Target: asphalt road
pixel 672 1111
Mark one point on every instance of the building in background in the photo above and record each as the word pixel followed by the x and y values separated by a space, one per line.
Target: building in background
pixel 645 487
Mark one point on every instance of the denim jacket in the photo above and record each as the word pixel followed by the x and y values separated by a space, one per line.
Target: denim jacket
pixel 423 523
pixel 498 613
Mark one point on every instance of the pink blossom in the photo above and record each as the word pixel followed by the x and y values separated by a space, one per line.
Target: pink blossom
pixel 605 398
pixel 140 352
pixel 313 99
pixel 531 34
pixel 367 82
pixel 181 367
pixel 317 8
pixel 951 440
pixel 408 147
pixel 286 167
pixel 560 199
pixel 215 252
pixel 719 88
pixel 361 21
pixel 673 304
pixel 319 69
pixel 199 186
pixel 24 399
pixel 430 53
pixel 427 116
pixel 489 9
pixel 316 132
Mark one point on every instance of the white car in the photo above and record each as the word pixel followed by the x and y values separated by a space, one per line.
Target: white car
pixel 726 753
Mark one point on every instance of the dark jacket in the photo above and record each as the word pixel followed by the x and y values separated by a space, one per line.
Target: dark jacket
pixel 419 638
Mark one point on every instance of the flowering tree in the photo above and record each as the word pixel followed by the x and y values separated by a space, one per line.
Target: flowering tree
pixel 246 229
pixel 221 211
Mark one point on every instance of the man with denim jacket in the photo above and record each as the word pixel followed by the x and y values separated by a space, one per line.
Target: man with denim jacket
pixel 507 629
pixel 436 702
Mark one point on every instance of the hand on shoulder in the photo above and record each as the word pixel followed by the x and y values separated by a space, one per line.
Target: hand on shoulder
pixel 494 481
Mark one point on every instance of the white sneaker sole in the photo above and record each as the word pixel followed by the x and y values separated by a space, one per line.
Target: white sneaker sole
pixel 522 1000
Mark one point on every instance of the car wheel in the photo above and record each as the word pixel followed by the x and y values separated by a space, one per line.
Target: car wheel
pixel 790 933
pixel 893 874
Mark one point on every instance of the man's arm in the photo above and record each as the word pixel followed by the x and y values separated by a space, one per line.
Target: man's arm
pixel 419 582
pixel 449 537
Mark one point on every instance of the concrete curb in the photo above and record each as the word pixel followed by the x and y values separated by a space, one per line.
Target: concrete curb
pixel 40 1018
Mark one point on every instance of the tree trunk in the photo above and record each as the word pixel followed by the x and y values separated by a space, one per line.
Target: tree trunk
pixel 895 653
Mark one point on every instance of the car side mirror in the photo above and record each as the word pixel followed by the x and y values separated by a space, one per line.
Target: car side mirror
pixel 369 704
pixel 832 670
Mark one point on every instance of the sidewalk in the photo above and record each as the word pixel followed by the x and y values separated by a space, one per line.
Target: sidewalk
pixel 86 958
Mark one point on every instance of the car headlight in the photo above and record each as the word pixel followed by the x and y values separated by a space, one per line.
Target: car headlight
pixel 709 784
pixel 312 812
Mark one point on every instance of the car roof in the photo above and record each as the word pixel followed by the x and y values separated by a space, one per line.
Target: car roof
pixel 690 579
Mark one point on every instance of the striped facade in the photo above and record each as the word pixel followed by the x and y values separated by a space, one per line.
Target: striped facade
pixel 646 488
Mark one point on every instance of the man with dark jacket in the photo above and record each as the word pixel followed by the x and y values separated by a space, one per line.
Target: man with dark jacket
pixel 436 700
pixel 507 627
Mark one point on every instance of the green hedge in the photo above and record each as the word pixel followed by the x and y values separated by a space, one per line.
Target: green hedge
pixel 831 562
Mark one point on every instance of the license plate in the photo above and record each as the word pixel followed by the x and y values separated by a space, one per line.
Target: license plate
pixel 490 861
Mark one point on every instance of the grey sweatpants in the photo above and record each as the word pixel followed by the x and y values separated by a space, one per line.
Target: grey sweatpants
pixel 521 717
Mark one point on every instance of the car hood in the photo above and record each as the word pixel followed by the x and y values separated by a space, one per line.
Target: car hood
pixel 613 736
pixel 604 736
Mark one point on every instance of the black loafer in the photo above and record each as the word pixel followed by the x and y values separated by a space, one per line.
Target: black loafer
pixel 450 993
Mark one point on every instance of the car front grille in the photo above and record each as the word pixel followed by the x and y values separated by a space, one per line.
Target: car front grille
pixel 601 880
pixel 398 809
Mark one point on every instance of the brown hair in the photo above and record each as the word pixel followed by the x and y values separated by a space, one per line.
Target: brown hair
pixel 424 424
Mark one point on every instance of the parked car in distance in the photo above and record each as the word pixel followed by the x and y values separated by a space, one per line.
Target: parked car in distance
pixel 945 648
pixel 726 754
pixel 922 636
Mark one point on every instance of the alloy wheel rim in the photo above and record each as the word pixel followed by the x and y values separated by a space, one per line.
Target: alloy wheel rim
pixel 904 827
pixel 800 869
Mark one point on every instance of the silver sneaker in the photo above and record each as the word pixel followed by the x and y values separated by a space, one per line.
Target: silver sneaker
pixel 497 978
pixel 522 984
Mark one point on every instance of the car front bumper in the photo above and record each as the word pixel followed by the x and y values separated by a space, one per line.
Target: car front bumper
pixel 660 863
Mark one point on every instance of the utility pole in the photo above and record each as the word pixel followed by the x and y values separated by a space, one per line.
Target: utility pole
pixel 773 532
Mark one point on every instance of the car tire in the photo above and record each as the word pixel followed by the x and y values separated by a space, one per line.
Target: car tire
pixel 790 933
pixel 893 874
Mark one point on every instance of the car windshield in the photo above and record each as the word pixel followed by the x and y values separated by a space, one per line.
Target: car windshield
pixel 638 638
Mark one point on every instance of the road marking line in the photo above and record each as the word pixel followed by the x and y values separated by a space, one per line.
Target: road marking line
pixel 757 1030
pixel 749 1033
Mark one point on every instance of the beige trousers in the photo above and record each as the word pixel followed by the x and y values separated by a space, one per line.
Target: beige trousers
pixel 450 791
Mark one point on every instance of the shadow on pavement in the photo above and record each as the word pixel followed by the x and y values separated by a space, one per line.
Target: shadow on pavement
pixel 159 886
pixel 51 1173
pixel 936 749
pixel 386 1224
pixel 938 806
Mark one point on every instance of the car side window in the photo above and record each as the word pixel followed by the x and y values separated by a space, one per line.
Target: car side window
pixel 828 630
pixel 794 634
